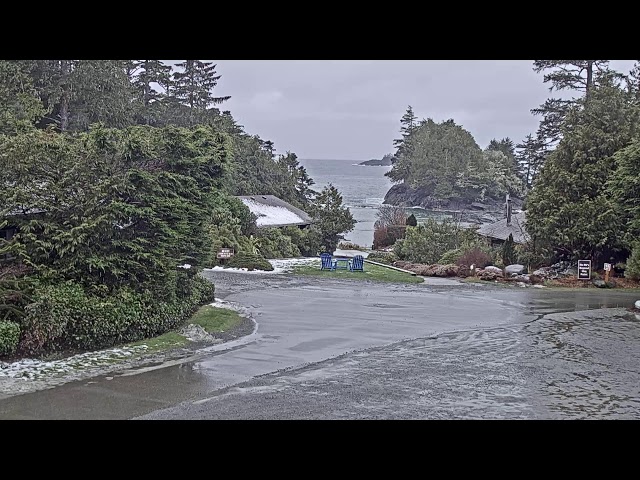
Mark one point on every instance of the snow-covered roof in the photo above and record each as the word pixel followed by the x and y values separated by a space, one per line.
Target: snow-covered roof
pixel 274 212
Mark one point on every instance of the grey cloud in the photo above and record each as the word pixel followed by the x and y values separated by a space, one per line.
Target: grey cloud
pixel 351 109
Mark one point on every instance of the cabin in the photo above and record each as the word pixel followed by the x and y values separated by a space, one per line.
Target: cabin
pixel 272 211
pixel 513 224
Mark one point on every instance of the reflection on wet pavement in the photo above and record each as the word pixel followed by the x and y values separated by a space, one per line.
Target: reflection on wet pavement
pixel 565 366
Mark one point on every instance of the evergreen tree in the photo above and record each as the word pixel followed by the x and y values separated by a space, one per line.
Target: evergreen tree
pixel 408 124
pixel 624 190
pixel 147 75
pixel 574 75
pixel 508 251
pixel 568 207
pixel 193 87
pixel 101 92
pixel 412 221
pixel 19 102
pixel 531 155
pixel 331 218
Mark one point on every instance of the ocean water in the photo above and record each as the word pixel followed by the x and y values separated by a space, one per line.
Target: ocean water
pixel 363 189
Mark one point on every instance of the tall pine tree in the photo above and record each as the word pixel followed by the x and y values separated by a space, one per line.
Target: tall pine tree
pixel 193 87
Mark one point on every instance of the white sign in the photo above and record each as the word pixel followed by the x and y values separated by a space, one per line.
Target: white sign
pixel 607 267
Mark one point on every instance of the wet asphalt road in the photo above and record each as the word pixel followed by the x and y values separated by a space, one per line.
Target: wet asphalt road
pixel 328 349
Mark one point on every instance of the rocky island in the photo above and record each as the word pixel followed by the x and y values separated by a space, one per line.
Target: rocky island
pixel 385 161
pixel 440 167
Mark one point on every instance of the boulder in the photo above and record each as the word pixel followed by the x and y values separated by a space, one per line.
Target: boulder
pixel 600 283
pixel 522 278
pixel 463 271
pixel 515 268
pixel 488 275
pixel 496 270
pixel 535 279
pixel 637 304
pixel 423 270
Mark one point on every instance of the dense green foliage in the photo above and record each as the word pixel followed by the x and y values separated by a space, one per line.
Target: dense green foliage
pixel 571 209
pixel 331 219
pixel 250 261
pixel 444 161
pixel 9 337
pixel 382 257
pixel 508 251
pixel 116 173
pixel 141 217
pixel 426 243
pixel 64 316
pixel 443 242
pixel 412 221
pixel 632 269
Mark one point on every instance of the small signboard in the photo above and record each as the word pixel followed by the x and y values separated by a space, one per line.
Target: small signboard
pixel 607 267
pixel 225 253
pixel 584 269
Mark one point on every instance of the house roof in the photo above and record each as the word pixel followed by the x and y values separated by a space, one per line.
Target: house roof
pixel 500 230
pixel 274 212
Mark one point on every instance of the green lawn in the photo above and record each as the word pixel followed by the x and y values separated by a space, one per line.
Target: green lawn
pixel 163 342
pixel 371 272
pixel 214 319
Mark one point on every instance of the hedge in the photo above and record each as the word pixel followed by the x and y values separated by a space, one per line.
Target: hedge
pixel 250 261
pixel 9 337
pixel 63 317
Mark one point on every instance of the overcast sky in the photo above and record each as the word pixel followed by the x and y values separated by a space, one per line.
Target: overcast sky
pixel 351 109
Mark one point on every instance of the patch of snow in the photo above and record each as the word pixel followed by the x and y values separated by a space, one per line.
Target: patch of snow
pixel 271 214
pixel 280 266
pixel 350 253
pixel 185 266
pixel 33 369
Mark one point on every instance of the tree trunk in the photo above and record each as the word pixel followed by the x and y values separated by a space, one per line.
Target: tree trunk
pixel 589 76
pixel 66 94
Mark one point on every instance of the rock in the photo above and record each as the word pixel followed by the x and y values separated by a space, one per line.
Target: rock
pixel 637 304
pixel 401 264
pixel 600 283
pixel 535 279
pixel 463 271
pixel 522 278
pixel 449 270
pixel 496 270
pixel 521 284
pixel 515 268
pixel 488 275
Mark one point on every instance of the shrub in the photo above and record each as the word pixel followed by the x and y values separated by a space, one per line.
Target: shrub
pixel 632 269
pixel 451 256
pixel 532 257
pixel 426 243
pixel 9 337
pixel 250 261
pixel 387 235
pixel 64 317
pixel 349 246
pixel 475 256
pixel 382 257
pixel 306 239
pixel 274 243
pixel 508 251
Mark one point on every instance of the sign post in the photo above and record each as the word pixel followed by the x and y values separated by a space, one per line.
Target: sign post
pixel 584 269
pixel 607 269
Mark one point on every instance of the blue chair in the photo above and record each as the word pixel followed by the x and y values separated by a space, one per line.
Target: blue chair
pixel 327 262
pixel 357 264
